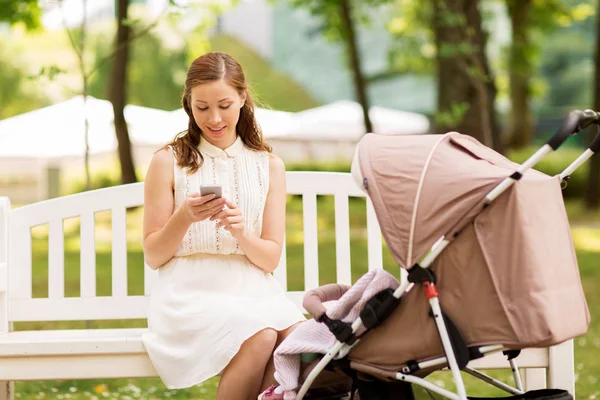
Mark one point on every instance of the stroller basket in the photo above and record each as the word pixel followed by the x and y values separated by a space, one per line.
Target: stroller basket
pixel 509 280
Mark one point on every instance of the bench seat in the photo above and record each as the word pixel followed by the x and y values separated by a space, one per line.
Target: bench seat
pixel 63 354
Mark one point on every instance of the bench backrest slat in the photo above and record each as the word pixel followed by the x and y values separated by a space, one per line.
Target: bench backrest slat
pixel 19 259
pixel 56 259
pixel 311 245
pixel 119 252
pixel 120 305
pixel 375 241
pixel 342 239
pixel 4 215
pixel 87 258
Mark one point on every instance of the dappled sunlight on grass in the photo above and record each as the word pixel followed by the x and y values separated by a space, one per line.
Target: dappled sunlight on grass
pixel 586 239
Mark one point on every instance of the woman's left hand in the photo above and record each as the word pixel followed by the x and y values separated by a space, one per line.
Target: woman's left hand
pixel 231 220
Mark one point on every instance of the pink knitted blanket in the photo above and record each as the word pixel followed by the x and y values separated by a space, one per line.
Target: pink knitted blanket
pixel 315 337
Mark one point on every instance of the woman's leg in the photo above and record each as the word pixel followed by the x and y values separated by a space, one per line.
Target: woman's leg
pixel 241 379
pixel 269 379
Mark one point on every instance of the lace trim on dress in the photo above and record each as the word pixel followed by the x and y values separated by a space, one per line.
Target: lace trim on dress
pixel 217 233
pixel 262 195
pixel 237 195
pixel 187 193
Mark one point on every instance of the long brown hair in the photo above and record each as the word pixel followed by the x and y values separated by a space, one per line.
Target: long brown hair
pixel 208 68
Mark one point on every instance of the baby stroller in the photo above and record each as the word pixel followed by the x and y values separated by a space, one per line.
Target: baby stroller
pixel 490 259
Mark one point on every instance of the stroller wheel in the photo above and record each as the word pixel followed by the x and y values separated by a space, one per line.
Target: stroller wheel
pixel 334 392
pixel 378 390
pixel 540 394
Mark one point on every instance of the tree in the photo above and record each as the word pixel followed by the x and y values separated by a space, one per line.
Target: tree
pixel 152 68
pixel 13 96
pixel 117 87
pixel 466 89
pixel 24 11
pixel 349 33
pixel 339 21
pixel 445 38
pixel 118 92
pixel 520 119
pixel 79 48
pixel 592 193
pixel 531 24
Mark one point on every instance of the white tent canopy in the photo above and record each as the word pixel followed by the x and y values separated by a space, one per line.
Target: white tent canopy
pixel 343 120
pixel 149 126
pixel 58 130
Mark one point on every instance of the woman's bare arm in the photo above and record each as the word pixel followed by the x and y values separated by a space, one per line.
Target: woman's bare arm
pixel 163 228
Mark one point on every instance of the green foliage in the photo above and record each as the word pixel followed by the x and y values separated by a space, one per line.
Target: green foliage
pixel 50 72
pixel 100 178
pixel 331 166
pixel 567 64
pixel 27 12
pixel 413 49
pixel 453 116
pixel 558 56
pixel 155 72
pixel 16 93
pixel 271 88
pixel 329 14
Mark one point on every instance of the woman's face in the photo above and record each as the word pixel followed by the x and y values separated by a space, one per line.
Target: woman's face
pixel 216 108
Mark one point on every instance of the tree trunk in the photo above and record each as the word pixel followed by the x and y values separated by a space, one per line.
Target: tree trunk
pixel 352 46
pixel 118 94
pixel 592 192
pixel 84 82
pixel 519 131
pixel 464 77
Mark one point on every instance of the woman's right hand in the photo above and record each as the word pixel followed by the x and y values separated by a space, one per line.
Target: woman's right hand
pixel 197 208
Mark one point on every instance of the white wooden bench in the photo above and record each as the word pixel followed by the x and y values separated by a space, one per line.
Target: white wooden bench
pixel 113 353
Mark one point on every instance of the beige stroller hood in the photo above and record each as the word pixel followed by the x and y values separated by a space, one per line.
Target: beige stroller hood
pixel 511 275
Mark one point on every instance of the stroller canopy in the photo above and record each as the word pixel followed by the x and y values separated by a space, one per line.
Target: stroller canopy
pixel 423 185
pixel 510 277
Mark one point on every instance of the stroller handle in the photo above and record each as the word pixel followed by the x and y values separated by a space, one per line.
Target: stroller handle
pixel 314 299
pixel 573 123
pixel 592 149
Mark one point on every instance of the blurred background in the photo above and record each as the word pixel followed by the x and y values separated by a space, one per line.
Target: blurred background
pixel 90 89
pixel 99 91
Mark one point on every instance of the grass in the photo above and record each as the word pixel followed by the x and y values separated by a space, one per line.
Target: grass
pixel 587 348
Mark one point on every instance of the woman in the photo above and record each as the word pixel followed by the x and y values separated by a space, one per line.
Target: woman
pixel 216 309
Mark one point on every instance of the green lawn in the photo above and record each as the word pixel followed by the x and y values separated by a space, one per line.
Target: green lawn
pixel 587 239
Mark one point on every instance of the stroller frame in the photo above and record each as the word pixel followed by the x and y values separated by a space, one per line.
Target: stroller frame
pixel 420 274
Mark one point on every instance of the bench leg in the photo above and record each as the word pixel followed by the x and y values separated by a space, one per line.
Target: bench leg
pixel 7 390
pixel 535 378
pixel 561 369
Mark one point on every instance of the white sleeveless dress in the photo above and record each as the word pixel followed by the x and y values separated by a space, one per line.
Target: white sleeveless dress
pixel 210 298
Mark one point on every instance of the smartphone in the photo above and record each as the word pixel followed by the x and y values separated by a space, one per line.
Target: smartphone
pixel 211 189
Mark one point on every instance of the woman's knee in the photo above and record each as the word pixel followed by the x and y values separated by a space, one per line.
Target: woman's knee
pixel 265 339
